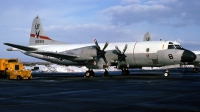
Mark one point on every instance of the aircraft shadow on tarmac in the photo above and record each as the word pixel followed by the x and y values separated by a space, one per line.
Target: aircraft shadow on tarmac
pixel 174 73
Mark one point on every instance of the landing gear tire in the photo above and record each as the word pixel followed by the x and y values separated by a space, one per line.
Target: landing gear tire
pixel 166 74
pixel 18 77
pixel 8 77
pixel 30 77
pixel 106 73
pixel 196 70
pixel 89 73
pixel 125 72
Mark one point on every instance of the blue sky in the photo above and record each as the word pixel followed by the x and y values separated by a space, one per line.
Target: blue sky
pixel 81 21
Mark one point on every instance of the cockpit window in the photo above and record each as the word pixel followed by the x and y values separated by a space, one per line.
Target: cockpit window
pixel 171 47
pixel 174 46
pixel 178 47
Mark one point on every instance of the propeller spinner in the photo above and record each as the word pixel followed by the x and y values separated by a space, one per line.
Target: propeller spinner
pixel 121 56
pixel 101 53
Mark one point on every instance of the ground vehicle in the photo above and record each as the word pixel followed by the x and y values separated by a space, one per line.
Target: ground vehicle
pixel 12 68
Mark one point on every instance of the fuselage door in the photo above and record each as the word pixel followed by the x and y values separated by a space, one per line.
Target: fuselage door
pixel 155 60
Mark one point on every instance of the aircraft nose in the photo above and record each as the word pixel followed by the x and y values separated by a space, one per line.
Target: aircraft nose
pixel 188 56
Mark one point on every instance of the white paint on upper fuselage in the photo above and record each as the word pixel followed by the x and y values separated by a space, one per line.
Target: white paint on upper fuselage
pixel 140 47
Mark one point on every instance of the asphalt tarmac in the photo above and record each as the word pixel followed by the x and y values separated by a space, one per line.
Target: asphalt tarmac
pixel 143 90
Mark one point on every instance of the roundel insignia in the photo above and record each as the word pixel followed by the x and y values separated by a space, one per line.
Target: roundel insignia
pixel 147 55
pixel 147 38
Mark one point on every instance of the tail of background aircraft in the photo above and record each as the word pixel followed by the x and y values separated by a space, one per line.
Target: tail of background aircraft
pixel 38 37
pixel 147 37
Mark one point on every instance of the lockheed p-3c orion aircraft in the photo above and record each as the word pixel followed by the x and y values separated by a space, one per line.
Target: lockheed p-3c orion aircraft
pixel 123 55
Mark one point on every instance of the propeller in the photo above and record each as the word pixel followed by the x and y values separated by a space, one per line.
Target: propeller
pixel 101 53
pixel 121 56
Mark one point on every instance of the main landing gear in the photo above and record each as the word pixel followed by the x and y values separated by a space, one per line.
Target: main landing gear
pixel 90 73
pixel 125 71
pixel 106 73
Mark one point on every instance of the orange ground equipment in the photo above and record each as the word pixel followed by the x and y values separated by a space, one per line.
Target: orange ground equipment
pixel 12 68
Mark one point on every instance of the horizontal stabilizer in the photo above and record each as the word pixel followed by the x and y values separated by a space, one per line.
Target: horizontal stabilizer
pixel 25 48
pixel 56 55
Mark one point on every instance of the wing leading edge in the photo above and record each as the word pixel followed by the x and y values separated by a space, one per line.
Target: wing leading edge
pixel 56 55
pixel 46 53
pixel 25 48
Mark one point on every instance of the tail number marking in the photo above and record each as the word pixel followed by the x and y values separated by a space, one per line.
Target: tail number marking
pixel 37 26
pixel 39 41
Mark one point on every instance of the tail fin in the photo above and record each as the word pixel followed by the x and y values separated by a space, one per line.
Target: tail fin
pixel 147 37
pixel 38 36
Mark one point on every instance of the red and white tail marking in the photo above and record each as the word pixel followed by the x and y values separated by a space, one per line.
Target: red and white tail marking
pixel 38 36
pixel 42 37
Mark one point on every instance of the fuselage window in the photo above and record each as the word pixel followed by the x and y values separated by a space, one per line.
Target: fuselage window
pixel 147 50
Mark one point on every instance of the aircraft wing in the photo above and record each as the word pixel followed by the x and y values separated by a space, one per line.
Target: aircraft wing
pixel 56 55
pixel 25 48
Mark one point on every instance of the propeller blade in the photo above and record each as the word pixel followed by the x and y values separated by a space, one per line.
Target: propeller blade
pixel 117 49
pixel 97 45
pixel 96 60
pixel 118 65
pixel 125 48
pixel 105 60
pixel 106 44
pixel 126 63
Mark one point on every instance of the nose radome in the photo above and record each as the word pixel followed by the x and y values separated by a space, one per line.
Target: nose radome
pixel 188 56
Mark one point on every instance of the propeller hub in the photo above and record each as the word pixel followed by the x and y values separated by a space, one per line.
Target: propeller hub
pixel 121 56
pixel 100 53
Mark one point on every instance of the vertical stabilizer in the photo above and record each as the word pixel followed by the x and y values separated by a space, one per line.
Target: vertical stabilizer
pixel 147 37
pixel 38 36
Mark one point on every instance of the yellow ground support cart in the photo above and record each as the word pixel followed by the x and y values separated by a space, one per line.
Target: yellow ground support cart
pixel 12 68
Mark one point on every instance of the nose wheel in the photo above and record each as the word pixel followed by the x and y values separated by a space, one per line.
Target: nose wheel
pixel 166 74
